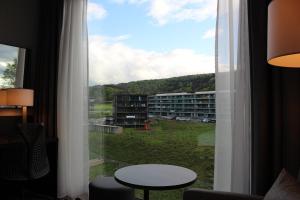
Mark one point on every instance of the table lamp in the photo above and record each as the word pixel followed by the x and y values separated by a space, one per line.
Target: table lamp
pixel 284 33
pixel 20 97
pixel 3 98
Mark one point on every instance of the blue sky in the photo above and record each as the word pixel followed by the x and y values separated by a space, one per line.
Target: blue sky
pixel 147 39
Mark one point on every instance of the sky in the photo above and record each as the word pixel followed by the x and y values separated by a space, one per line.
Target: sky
pixel 133 40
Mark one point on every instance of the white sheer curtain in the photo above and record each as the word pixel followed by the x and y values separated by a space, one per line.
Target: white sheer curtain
pixel 72 101
pixel 20 68
pixel 233 96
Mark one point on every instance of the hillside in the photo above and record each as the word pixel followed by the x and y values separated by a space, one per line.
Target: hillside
pixel 191 83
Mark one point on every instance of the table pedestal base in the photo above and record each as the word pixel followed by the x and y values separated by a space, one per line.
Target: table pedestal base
pixel 146 194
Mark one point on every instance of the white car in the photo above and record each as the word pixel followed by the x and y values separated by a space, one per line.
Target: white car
pixel 205 120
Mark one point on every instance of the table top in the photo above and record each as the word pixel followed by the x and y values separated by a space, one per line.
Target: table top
pixel 155 176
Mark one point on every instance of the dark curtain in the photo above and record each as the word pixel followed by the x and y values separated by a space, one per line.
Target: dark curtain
pixel 275 108
pixel 42 73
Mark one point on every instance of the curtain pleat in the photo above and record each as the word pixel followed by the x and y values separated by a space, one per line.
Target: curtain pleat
pixel 233 100
pixel 20 68
pixel 72 100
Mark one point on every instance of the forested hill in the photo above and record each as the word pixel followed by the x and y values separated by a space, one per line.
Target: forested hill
pixel 192 83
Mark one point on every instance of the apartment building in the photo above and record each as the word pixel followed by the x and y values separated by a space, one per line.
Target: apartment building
pixel 130 110
pixel 198 105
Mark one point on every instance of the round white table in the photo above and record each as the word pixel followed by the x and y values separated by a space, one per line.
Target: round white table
pixel 155 177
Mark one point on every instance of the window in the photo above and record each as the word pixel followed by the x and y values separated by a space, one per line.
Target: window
pixel 152 96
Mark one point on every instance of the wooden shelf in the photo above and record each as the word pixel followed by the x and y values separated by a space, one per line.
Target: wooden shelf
pixel 8 112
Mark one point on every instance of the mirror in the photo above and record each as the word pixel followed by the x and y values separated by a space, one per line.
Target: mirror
pixel 12 62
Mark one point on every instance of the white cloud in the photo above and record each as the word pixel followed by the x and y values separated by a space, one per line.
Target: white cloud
pixel 2 68
pixel 1 81
pixel 95 11
pixel 121 37
pixel 8 53
pixel 130 1
pixel 115 62
pixel 3 65
pixel 114 39
pixel 210 33
pixel 119 1
pixel 7 56
pixel 166 11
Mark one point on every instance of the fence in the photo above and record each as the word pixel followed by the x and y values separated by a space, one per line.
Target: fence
pixel 106 128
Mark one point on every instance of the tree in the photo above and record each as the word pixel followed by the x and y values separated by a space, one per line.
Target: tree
pixel 9 75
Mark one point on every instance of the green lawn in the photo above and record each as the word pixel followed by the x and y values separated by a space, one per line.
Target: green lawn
pixel 103 107
pixel 188 144
pixel 101 110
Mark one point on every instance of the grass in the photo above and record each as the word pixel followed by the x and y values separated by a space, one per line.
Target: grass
pixel 101 110
pixel 188 144
pixel 103 107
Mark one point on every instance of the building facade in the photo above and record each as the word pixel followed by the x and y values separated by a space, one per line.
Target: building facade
pixel 130 110
pixel 198 105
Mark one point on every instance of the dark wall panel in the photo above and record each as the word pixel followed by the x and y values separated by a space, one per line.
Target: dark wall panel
pixel 19 21
pixel 291 119
pixel 36 25
pixel 260 85
pixel 275 108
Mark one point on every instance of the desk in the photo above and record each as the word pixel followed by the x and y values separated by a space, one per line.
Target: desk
pixel 7 139
pixel 155 177
pixel 13 155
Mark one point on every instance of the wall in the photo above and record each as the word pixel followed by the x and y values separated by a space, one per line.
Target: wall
pixel 19 22
pixel 35 25
pixel 290 96
pixel 275 108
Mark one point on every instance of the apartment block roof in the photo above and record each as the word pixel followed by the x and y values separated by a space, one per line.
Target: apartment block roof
pixel 185 93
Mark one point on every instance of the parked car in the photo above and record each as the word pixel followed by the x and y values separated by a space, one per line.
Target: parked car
pixel 183 118
pixel 205 120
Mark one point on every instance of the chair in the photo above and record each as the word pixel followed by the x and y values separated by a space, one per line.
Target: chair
pixel 13 158
pixel 25 160
pixel 35 139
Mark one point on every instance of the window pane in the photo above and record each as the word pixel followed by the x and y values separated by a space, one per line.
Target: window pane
pixel 152 85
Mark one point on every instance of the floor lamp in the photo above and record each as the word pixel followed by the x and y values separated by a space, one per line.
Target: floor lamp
pixel 284 33
pixel 3 98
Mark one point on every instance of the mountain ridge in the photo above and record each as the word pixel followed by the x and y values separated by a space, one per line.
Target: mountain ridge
pixel 189 84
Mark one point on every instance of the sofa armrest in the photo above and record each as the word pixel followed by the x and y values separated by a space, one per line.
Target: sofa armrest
pixel 199 194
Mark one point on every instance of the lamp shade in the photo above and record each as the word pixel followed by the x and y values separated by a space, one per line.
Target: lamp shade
pixel 3 98
pixel 284 33
pixel 19 97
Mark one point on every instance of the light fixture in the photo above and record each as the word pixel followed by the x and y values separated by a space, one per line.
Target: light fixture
pixel 20 97
pixel 3 97
pixel 284 33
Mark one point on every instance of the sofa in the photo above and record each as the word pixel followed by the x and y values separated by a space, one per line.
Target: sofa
pixel 285 184
pixel 200 194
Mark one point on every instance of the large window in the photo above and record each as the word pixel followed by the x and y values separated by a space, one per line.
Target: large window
pixel 152 96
